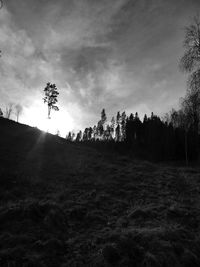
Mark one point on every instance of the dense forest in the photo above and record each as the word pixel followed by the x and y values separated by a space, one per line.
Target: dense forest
pixel 153 137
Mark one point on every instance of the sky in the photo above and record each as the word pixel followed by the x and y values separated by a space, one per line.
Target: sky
pixel 113 54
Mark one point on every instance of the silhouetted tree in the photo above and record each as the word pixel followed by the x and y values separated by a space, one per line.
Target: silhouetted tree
pixel 69 136
pixel 103 121
pixel 130 129
pixel 123 126
pixel 79 136
pixel 51 94
pixel 1 113
pixel 145 118
pixel 95 132
pixel 85 134
pixel 117 133
pixel 118 127
pixel 100 129
pixel 180 120
pixel 18 111
pixel 9 110
pixel 118 117
pixel 191 108
pixel 103 116
pixel 191 105
pixel 175 118
pixel 112 127
pixel 137 124
pixel 185 122
pixel 107 133
pixel 90 132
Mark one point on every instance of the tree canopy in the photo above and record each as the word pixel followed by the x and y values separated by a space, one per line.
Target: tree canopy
pixel 51 94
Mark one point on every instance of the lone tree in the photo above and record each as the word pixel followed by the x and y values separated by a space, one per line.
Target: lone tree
pixel 51 94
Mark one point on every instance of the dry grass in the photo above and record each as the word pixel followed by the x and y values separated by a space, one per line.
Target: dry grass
pixel 65 205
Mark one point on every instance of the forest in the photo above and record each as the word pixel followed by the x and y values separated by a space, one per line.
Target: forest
pixel 152 138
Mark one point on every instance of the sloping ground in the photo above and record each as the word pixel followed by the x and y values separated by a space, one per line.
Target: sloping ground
pixel 66 205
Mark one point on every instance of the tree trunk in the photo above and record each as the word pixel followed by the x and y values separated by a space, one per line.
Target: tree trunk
pixel 186 149
pixel 49 111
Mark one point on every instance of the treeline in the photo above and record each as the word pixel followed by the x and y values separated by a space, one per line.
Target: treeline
pixel 12 109
pixel 152 137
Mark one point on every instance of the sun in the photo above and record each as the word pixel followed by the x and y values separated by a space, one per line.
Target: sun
pixel 60 122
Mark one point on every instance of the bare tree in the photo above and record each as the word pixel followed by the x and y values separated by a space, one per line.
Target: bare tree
pixel 1 113
pixel 191 105
pixel 9 110
pixel 190 63
pixel 18 111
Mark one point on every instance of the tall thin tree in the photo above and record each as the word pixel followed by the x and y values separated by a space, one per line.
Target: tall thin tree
pixel 51 94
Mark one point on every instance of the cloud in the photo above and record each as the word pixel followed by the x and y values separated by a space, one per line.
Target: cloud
pixel 116 54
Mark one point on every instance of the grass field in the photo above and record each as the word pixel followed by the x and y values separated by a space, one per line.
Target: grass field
pixel 62 204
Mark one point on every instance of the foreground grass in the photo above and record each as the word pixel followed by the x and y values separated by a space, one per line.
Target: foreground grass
pixel 65 205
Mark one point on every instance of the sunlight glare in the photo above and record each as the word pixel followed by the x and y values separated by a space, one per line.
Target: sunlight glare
pixel 60 120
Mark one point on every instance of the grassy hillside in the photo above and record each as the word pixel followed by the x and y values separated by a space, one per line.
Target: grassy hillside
pixel 62 204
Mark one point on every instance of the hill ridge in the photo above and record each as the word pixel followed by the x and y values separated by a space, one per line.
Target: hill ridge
pixel 63 204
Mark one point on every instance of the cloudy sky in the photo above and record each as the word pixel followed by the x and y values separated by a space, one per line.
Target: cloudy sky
pixel 112 54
